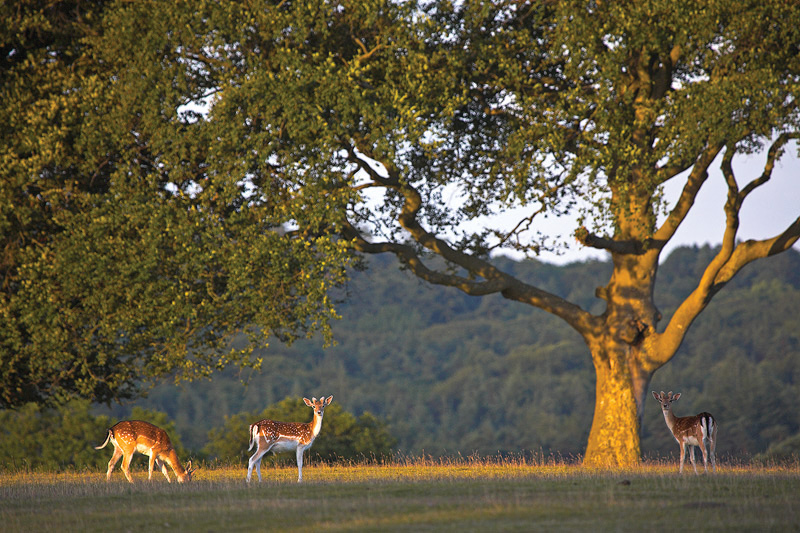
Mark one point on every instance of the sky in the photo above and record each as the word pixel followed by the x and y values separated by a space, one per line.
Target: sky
pixel 767 211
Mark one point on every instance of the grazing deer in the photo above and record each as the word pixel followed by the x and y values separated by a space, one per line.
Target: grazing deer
pixel 690 430
pixel 285 437
pixel 131 436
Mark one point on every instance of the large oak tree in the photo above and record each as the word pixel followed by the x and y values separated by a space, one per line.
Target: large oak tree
pixel 389 128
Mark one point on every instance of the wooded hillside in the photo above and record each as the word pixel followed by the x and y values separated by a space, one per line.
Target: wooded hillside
pixel 451 373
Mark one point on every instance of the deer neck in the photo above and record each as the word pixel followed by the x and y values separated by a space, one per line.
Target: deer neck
pixel 316 424
pixel 178 468
pixel 670 418
pixel 171 458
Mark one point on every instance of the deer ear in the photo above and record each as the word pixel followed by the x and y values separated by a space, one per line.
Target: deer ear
pixel 308 402
pixel 329 400
pixel 656 396
pixel 676 396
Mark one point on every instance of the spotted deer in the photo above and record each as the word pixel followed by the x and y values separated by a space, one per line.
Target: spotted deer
pixel 131 436
pixel 690 430
pixel 277 437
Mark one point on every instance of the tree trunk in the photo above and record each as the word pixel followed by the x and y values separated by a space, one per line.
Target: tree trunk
pixel 623 340
pixel 614 437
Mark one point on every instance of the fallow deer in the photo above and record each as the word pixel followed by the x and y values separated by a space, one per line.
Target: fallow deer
pixel 277 437
pixel 131 436
pixel 690 430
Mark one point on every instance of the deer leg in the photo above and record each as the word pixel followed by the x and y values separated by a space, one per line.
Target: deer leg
pixel 691 456
pixel 255 459
pixel 150 462
pixel 163 467
pixel 113 462
pixel 683 456
pixel 258 466
pixel 705 455
pixel 126 464
pixel 300 463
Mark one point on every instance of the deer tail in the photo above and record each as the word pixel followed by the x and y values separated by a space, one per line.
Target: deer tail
pixel 253 435
pixel 707 425
pixel 108 438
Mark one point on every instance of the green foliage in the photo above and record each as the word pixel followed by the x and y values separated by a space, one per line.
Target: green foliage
pixel 128 253
pixel 784 451
pixel 38 438
pixel 57 439
pixel 343 436
pixel 453 374
pixel 740 362
pixel 145 239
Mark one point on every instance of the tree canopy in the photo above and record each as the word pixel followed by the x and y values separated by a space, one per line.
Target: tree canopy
pixel 378 126
pixel 121 261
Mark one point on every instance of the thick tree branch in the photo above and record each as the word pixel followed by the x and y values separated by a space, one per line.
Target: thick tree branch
pixel 409 257
pixel 731 257
pixel 684 204
pixel 774 153
pixel 390 181
pixel 660 238
pixel 586 238
pixel 749 251
pixel 492 280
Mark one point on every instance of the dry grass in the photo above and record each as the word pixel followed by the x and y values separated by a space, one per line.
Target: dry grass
pixel 411 495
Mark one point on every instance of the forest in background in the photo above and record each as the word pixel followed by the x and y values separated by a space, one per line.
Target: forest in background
pixel 419 369
pixel 450 373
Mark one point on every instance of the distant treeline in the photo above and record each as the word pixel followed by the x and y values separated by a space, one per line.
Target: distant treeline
pixel 448 373
pixel 451 373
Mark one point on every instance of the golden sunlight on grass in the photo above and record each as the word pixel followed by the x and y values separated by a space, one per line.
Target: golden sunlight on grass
pixel 465 469
pixel 463 494
pixel 407 469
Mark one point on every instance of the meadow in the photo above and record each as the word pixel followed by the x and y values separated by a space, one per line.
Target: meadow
pixel 411 495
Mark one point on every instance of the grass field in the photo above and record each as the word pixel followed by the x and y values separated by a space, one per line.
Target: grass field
pixel 419 495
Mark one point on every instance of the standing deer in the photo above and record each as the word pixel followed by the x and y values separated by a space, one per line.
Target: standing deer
pixel 285 437
pixel 131 436
pixel 690 430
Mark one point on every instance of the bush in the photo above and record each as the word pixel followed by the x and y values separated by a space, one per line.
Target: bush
pixel 785 451
pixel 37 438
pixel 63 438
pixel 343 436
